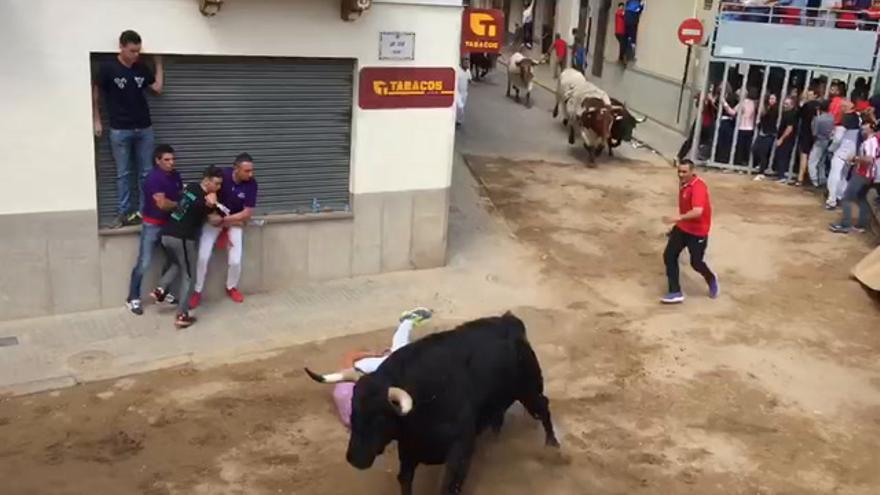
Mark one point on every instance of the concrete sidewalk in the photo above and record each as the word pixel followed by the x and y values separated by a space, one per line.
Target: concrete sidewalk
pixel 651 134
pixel 53 352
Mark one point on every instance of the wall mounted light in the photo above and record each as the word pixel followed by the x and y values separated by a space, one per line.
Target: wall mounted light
pixel 353 9
pixel 209 8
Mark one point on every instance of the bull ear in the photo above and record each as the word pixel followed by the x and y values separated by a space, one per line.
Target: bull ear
pixel 400 400
pixel 346 375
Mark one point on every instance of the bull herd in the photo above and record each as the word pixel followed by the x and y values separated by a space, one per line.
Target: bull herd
pixel 587 111
pixel 437 394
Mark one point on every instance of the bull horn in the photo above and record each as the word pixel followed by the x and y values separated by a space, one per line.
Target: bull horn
pixel 642 120
pixel 400 400
pixel 346 375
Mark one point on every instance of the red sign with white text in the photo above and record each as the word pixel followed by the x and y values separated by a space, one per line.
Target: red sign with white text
pixel 406 87
pixel 690 32
pixel 482 30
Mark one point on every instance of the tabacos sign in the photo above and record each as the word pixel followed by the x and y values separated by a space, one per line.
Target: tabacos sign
pixel 482 30
pixel 406 87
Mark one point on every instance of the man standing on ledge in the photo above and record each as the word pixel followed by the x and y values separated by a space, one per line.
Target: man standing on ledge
pixel 124 81
pixel 691 231
pixel 239 195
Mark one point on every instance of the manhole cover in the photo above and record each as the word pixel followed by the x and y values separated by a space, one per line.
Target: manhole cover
pixel 89 360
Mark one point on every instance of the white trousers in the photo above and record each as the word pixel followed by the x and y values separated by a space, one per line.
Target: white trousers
pixel 206 247
pixel 837 174
pixel 400 339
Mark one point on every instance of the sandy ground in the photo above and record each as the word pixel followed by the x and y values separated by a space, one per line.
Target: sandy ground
pixel 772 389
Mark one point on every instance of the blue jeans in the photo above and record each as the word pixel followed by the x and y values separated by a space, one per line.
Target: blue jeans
pixel 131 146
pixel 150 237
pixel 856 192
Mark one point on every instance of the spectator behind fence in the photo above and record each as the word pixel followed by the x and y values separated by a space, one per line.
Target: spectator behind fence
pixel 785 139
pixel 823 131
pixel 706 121
pixel 844 146
pixel 806 115
pixel 766 135
pixel 747 110
pixel 864 170
pixel 837 94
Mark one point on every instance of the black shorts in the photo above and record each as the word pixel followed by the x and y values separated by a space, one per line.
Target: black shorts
pixel 805 143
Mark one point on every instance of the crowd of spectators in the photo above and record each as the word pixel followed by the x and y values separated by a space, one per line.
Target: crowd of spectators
pixel 843 14
pixel 819 135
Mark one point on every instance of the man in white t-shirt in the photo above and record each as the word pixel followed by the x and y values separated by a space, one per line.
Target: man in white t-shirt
pixel 461 90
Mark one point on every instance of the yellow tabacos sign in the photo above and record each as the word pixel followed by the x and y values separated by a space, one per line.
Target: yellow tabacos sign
pixel 483 45
pixel 409 88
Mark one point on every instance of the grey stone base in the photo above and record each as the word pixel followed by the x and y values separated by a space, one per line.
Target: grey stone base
pixel 55 263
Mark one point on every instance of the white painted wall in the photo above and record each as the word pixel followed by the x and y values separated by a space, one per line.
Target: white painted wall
pixel 567 13
pixel 45 82
pixel 658 50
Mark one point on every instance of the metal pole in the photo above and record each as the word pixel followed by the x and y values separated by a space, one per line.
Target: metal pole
pixel 698 120
pixel 761 100
pixel 718 106
pixel 684 78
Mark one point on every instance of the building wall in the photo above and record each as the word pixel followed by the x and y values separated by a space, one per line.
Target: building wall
pixel 652 83
pixel 400 162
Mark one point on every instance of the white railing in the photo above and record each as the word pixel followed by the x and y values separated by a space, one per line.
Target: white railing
pixel 745 11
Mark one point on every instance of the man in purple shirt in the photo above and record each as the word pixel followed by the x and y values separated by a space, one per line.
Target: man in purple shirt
pixel 162 188
pixel 239 195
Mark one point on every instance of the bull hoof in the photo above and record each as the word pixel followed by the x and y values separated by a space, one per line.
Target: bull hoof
pixel 552 442
pixel 565 122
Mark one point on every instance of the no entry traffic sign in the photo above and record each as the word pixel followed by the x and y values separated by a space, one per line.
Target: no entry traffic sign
pixel 690 32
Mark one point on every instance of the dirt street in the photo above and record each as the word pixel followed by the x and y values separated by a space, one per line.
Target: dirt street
pixel 772 389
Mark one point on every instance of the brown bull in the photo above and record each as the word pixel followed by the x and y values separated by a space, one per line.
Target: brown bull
pixel 595 121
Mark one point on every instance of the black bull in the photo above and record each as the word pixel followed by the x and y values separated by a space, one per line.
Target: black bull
pixel 624 124
pixel 437 394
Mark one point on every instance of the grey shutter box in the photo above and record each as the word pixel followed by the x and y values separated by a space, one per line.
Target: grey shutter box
pixel 292 115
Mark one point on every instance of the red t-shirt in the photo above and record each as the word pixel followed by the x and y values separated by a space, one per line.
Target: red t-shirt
pixel 692 195
pixel 619 23
pixel 561 48
pixel 835 109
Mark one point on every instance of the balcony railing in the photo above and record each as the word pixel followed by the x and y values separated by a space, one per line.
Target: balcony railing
pixel 838 39
pixel 843 18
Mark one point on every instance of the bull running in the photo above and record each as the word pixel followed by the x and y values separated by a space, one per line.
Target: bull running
pixel 436 395
pixel 589 112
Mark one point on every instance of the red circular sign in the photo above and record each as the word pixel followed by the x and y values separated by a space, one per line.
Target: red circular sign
pixel 690 32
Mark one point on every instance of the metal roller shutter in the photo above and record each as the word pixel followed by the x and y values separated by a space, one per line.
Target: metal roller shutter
pixel 292 115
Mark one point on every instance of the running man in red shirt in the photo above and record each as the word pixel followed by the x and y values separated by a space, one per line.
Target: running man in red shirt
pixel 620 34
pixel 691 231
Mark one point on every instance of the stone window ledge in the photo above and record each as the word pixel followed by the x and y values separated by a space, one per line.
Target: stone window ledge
pixel 256 221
